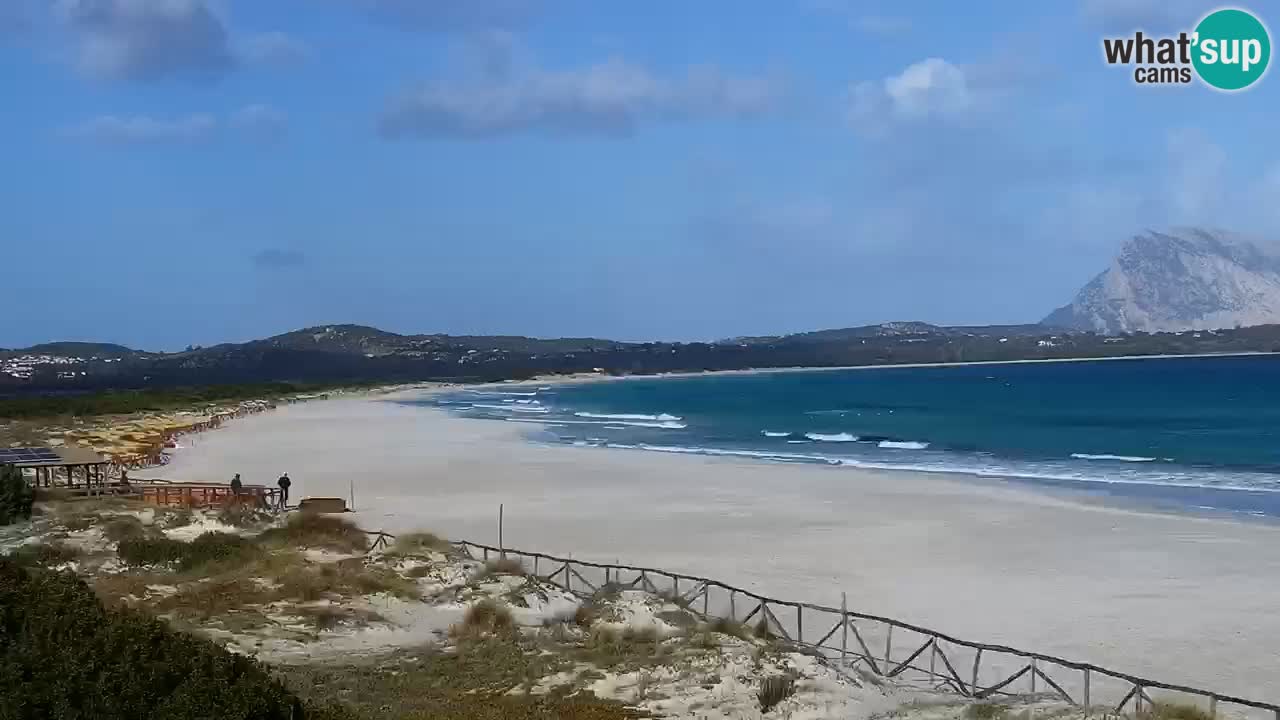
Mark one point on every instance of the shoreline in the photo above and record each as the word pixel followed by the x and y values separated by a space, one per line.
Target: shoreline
pixel 1179 597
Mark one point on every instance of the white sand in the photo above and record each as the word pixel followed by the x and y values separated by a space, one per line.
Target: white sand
pixel 1180 599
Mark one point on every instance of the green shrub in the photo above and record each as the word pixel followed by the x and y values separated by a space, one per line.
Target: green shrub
pixel 43 554
pixel 63 655
pixel 16 496
pixel 211 547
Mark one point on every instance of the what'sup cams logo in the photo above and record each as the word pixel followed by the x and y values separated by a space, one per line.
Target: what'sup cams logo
pixel 1228 50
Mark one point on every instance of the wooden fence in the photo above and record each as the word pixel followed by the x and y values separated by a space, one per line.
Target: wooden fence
pixel 881 645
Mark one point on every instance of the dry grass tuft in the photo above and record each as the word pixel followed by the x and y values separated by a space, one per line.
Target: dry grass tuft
pixel 985 711
pixel 1167 710
pixel 317 531
pixel 485 618
pixel 774 689
pixel 420 543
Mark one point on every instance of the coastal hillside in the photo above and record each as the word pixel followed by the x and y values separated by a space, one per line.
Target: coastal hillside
pixel 354 354
pixel 1185 279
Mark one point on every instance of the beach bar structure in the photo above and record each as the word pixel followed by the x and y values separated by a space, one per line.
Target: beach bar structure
pixel 69 467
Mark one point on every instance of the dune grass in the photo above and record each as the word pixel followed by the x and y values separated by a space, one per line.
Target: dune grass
pixel 313 530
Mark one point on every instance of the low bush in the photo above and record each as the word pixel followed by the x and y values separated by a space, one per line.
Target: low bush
pixel 774 689
pixel 63 655
pixel 486 617
pixel 985 711
pixel 319 531
pixel 16 496
pixel 43 554
pixel 420 543
pixel 211 547
pixel 1166 710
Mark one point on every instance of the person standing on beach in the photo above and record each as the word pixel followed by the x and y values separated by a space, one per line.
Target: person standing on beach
pixel 284 482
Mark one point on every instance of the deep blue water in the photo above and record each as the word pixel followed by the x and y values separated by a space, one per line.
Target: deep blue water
pixel 1202 433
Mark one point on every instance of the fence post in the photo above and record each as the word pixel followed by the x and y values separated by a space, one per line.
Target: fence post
pixel 1213 706
pixel 799 624
pixel 1033 676
pixel 1137 699
pixel 844 628
pixel 977 660
pixel 535 566
pixel 706 601
pixel 1086 692
pixel 675 587
pixel 733 611
pixel 933 659
pixel 568 579
pixel 888 646
pixel 502 549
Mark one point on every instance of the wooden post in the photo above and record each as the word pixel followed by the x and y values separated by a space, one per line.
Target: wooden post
pixel 888 646
pixel 675 587
pixel 1213 706
pixel 535 566
pixel 1086 692
pixel 933 659
pixel 568 579
pixel 1033 676
pixel 844 628
pixel 1137 699
pixel 977 660
pixel 733 612
pixel 706 601
pixel 352 490
pixel 502 549
pixel 799 624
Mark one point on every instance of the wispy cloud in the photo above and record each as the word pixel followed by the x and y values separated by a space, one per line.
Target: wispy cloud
pixel 144 130
pixel 255 121
pixel 609 98
pixel 451 15
pixel 274 48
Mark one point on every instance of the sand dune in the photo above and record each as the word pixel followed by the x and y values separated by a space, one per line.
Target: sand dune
pixel 1181 599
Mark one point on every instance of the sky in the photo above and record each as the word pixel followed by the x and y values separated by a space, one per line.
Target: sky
pixel 201 171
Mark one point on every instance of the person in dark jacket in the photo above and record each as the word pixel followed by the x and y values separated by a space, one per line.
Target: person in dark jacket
pixel 236 484
pixel 284 482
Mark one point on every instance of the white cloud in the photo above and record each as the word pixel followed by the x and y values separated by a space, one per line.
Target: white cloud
pixel 930 89
pixel 141 129
pixel 147 39
pixel 613 97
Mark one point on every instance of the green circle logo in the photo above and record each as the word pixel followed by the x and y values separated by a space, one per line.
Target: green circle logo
pixel 1232 49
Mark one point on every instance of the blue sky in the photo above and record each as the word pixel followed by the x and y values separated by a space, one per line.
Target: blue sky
pixel 200 171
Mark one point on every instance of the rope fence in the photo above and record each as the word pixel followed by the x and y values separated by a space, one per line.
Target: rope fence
pixel 880 645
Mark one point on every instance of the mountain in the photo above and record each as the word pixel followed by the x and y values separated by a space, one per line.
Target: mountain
pixel 1184 279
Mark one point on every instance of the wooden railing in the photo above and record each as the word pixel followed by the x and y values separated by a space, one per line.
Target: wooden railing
pixel 205 494
pixel 885 646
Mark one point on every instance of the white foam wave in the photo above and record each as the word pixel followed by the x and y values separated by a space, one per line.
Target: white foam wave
pixel 832 437
pixel 903 444
pixel 665 424
pixel 629 416
pixel 511 408
pixel 770 433
pixel 1121 458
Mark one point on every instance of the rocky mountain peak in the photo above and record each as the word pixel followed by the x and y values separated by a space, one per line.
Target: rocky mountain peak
pixel 1182 279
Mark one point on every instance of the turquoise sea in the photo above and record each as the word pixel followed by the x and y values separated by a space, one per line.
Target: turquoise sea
pixel 1198 433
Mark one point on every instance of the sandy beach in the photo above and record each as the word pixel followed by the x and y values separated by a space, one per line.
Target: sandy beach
pixel 1177 598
